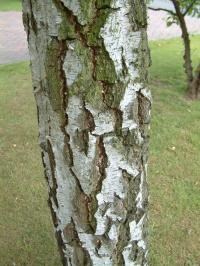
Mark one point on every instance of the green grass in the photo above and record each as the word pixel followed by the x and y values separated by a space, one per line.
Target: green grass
pixel 10 5
pixel 174 172
pixel 26 233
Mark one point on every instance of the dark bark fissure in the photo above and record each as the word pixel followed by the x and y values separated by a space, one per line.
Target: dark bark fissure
pixel 109 101
pixel 30 21
pixel 83 204
pixel 72 19
pixel 89 123
pixel 84 207
pixel 53 196
pixel 102 163
pixel 54 187
pixel 33 20
pixel 95 52
pixel 56 90
pixel 124 234
pixel 81 256
pixel 143 111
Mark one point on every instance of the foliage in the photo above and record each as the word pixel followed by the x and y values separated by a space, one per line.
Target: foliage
pixel 190 7
pixel 187 7
pixel 25 223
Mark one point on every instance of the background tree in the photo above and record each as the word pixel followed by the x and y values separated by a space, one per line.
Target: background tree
pixel 89 62
pixel 181 9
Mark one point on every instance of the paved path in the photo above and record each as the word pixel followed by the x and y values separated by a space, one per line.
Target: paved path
pixel 158 30
pixel 13 45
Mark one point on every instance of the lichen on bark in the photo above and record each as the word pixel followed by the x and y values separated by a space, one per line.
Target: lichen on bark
pixel 89 63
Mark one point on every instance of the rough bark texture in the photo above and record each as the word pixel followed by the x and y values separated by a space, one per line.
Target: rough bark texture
pixel 89 62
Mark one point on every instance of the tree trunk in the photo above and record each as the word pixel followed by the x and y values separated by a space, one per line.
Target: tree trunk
pixel 187 50
pixel 196 83
pixel 89 62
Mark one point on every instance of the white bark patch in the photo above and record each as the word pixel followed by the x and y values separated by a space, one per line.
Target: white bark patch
pixel 128 106
pixel 75 7
pixel 65 190
pixel 64 180
pixel 104 121
pixel 136 234
pixel 54 18
pixel 122 44
pixel 127 256
pixel 110 200
pixel 146 93
pixel 72 65
pixel 120 40
pixel 113 233
pixel 48 170
pixel 136 229
pixel 115 213
pixel 102 221
pixel 113 189
pixel 83 164
pixel 114 182
pixel 104 255
pixel 139 198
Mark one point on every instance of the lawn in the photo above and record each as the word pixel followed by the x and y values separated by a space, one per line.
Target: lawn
pixel 174 167
pixel 26 233
pixel 10 5
pixel 25 224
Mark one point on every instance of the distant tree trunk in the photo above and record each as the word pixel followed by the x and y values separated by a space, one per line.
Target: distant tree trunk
pixel 187 49
pixel 89 62
pixel 196 83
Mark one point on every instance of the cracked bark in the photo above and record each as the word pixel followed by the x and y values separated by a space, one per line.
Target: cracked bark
pixel 89 62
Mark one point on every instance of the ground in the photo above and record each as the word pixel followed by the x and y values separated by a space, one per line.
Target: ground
pixel 25 223
pixel 13 45
pixel 174 160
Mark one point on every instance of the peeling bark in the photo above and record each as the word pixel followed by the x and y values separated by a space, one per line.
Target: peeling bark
pixel 89 62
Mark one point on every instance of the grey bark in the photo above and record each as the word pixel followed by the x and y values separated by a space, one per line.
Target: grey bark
pixel 89 62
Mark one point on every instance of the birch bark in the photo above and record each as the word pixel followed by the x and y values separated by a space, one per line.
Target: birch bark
pixel 89 62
